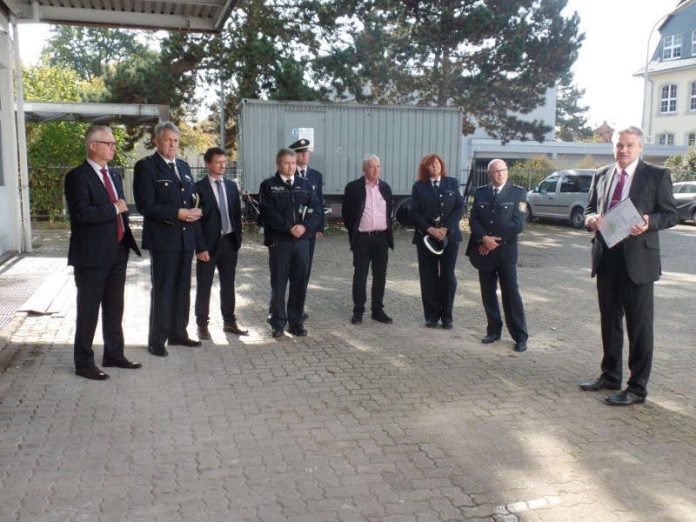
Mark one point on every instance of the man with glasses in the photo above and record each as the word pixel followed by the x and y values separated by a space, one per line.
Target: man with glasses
pixel 164 194
pixel 497 217
pixel 100 240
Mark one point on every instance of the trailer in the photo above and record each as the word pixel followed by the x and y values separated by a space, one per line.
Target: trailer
pixel 341 135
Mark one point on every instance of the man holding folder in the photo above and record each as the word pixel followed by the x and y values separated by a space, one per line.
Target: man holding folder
pixel 627 271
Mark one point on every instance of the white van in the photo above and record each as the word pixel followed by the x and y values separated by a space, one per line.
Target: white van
pixel 562 195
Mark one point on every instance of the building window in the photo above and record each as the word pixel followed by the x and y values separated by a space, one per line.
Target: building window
pixel 691 139
pixel 693 43
pixel 692 98
pixel 668 99
pixel 666 139
pixel 671 47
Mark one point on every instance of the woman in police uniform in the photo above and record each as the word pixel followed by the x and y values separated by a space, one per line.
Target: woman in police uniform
pixel 436 208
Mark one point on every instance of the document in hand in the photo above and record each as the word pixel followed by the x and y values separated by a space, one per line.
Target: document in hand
pixel 617 222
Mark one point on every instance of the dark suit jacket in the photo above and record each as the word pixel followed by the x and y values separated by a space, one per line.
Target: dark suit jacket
pixel 354 205
pixel 316 179
pixel 93 226
pixel 159 194
pixel 209 227
pixel 651 193
pixel 428 203
pixel 502 217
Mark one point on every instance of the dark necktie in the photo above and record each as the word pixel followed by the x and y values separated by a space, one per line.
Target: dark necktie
pixel 496 191
pixel 618 191
pixel 436 184
pixel 303 173
pixel 222 205
pixel 288 182
pixel 112 197
pixel 172 168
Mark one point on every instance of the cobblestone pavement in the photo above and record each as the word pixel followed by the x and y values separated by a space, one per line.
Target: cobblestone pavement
pixel 356 423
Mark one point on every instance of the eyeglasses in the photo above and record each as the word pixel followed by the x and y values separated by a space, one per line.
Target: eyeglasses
pixel 111 144
pixel 497 171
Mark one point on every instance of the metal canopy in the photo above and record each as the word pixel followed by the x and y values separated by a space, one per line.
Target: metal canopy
pixel 104 113
pixel 183 15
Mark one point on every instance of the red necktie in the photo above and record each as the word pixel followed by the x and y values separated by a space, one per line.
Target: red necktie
pixel 618 191
pixel 112 197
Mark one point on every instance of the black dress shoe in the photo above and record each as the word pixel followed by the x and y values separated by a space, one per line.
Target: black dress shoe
pixel 278 332
pixel 203 333
pixel 625 398
pixel 234 328
pixel 122 363
pixel 381 317
pixel 447 325
pixel 431 324
pixel 298 331
pixel 184 342
pixel 91 372
pixel 600 383
pixel 356 319
pixel 305 316
pixel 521 346
pixel 490 338
pixel 159 352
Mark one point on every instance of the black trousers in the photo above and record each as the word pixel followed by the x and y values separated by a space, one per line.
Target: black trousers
pixel 370 248
pixel 618 295
pixel 225 260
pixel 170 299
pixel 437 281
pixel 506 272
pixel 97 287
pixel 312 243
pixel 287 261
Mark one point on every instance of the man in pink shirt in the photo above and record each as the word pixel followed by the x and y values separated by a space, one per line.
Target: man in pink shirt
pixel 367 210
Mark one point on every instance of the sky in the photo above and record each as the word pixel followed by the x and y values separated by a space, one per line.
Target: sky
pixel 614 49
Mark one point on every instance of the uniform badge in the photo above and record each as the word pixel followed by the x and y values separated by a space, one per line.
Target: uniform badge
pixel 523 206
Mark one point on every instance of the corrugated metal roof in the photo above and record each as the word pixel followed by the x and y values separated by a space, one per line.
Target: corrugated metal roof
pixel 185 15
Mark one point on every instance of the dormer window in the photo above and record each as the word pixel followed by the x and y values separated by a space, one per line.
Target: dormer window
pixel 693 43
pixel 671 47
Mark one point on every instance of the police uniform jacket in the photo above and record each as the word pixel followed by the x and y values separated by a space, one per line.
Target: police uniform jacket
pixel 159 194
pixel 429 203
pixel 651 193
pixel 283 207
pixel 317 180
pixel 209 227
pixel 502 216
pixel 353 206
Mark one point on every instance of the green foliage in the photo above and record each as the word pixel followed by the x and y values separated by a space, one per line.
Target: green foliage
pixel 493 59
pixel 588 162
pixel 571 123
pixel 683 167
pixel 55 147
pixel 89 51
pixel 530 172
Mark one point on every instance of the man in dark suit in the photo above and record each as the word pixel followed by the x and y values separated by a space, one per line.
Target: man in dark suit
pixel 302 154
pixel 626 272
pixel 497 217
pixel 291 214
pixel 367 211
pixel 218 239
pixel 100 239
pixel 164 195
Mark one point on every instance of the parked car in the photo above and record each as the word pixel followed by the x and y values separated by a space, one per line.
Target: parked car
pixel 562 195
pixel 685 194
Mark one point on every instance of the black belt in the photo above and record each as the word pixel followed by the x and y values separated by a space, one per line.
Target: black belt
pixel 223 236
pixel 373 232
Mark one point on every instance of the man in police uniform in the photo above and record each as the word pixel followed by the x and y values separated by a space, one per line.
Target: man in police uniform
pixel 497 217
pixel 163 190
pixel 291 215
pixel 302 154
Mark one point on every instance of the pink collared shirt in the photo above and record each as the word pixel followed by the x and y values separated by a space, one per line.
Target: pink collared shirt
pixel 374 217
